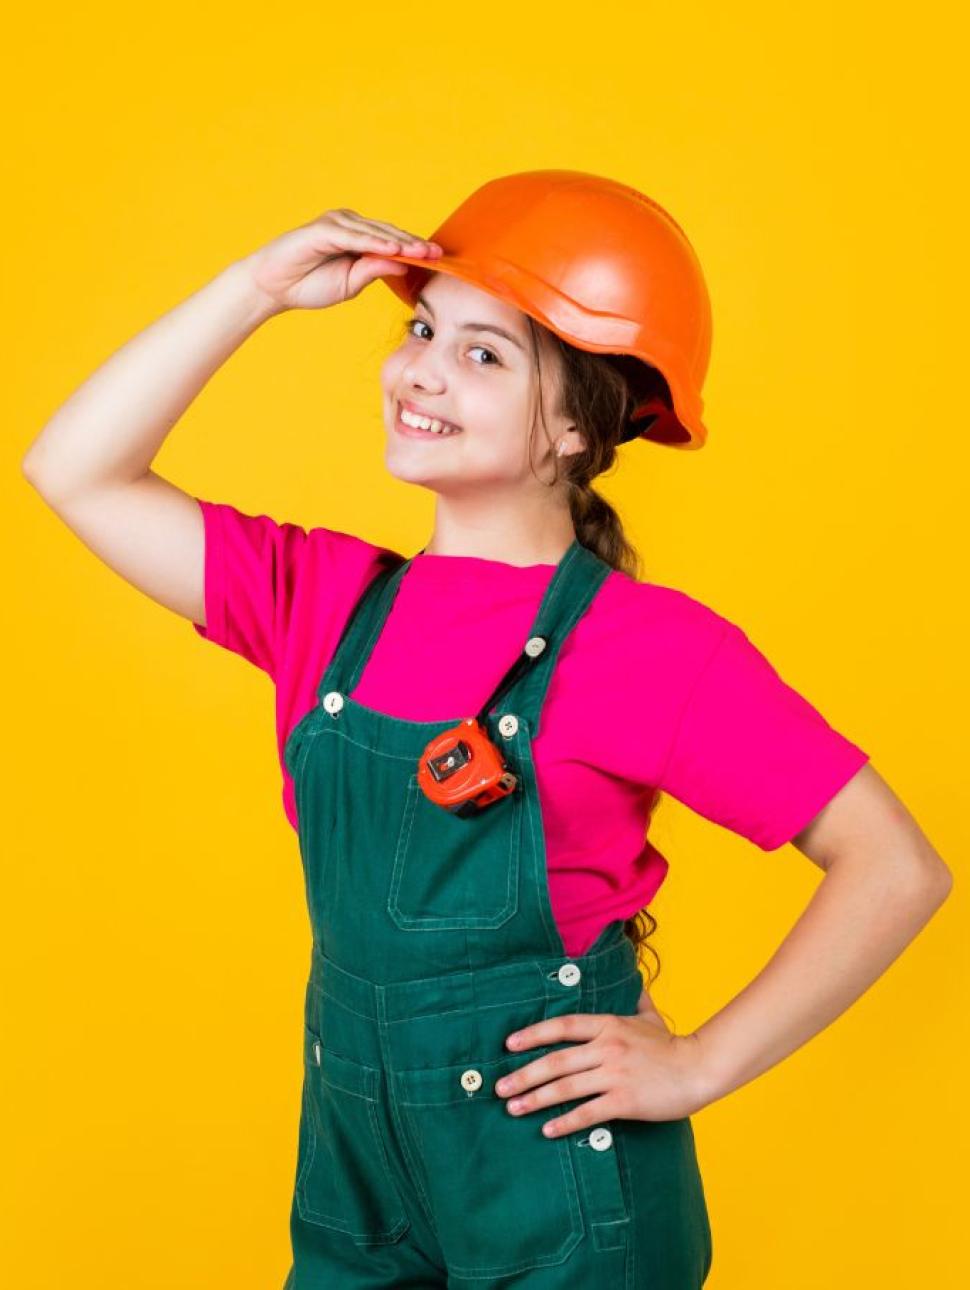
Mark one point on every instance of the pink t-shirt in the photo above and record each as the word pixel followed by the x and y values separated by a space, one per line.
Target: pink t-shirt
pixel 652 691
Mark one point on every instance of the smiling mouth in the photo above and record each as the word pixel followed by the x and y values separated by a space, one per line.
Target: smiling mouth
pixel 419 432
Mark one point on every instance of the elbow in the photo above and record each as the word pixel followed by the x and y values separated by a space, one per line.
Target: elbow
pixel 918 875
pixel 31 470
pixel 935 874
pixel 929 880
pixel 943 880
pixel 41 479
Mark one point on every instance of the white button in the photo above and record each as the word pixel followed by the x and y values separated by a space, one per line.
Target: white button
pixel 333 701
pixel 316 1051
pixel 600 1139
pixel 508 725
pixel 471 1080
pixel 534 646
pixel 569 974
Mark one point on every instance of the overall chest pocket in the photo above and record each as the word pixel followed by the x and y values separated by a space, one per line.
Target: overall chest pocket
pixel 504 1197
pixel 452 872
pixel 343 1179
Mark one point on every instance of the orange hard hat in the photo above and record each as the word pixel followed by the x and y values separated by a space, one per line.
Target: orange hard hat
pixel 598 263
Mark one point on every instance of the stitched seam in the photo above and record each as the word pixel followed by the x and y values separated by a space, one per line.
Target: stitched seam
pixel 407 1130
pixel 402 1220
pixel 569 1242
pixel 539 857
pixel 333 730
pixel 412 922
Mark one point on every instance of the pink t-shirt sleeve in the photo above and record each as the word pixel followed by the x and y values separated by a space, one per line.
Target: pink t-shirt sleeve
pixel 251 565
pixel 752 754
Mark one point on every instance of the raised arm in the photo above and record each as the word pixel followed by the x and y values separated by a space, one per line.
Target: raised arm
pixel 92 461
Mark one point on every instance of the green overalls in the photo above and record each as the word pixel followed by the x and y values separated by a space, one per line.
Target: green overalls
pixel 434 939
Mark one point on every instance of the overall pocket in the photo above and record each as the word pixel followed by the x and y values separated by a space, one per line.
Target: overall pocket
pixel 453 872
pixel 503 1197
pixel 658 1161
pixel 597 1165
pixel 343 1180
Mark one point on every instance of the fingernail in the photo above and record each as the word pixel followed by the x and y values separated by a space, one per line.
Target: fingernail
pixel 512 1041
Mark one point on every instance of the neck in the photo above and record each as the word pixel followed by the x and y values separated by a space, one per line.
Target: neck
pixel 514 534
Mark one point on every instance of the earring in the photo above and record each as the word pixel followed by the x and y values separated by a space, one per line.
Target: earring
pixel 560 447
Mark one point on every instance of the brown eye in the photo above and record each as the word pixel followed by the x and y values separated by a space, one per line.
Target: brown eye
pixel 411 323
pixel 497 362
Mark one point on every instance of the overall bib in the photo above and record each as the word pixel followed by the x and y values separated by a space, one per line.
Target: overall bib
pixel 433 939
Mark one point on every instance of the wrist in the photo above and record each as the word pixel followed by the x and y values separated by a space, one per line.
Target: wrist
pixel 257 306
pixel 713 1076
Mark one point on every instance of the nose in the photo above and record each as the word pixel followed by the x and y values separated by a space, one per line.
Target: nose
pixel 421 373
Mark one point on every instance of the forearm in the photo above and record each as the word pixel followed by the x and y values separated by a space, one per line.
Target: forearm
pixel 113 425
pixel 859 919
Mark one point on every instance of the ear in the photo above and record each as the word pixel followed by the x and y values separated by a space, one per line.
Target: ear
pixel 573 439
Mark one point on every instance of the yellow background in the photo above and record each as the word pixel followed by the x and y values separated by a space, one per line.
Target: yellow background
pixel 154 938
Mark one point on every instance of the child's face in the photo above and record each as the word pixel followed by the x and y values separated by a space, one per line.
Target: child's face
pixel 475 379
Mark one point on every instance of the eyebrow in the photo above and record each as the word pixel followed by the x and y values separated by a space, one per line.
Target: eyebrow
pixel 478 326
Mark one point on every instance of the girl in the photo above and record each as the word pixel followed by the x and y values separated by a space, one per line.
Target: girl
pixel 473 740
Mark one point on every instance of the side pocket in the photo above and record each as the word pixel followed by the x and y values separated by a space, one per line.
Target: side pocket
pixel 343 1179
pixel 504 1196
pixel 598 1169
pixel 665 1193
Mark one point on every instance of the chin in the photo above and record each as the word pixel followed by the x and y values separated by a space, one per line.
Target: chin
pixel 409 472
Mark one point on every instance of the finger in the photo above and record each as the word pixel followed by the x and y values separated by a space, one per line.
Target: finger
pixel 355 240
pixel 352 223
pixel 574 1025
pixel 401 233
pixel 596 1111
pixel 370 266
pixel 552 1066
pixel 384 232
pixel 393 230
pixel 579 1084
pixel 367 268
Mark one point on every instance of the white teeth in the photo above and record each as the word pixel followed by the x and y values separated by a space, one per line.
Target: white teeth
pixel 426 423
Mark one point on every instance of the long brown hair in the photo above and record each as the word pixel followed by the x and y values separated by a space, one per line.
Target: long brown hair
pixel 598 392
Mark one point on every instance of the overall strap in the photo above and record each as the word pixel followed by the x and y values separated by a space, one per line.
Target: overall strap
pixel 362 630
pixel 578 577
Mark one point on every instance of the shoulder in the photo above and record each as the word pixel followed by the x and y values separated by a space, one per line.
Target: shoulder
pixel 319 536
pixel 285 544
pixel 665 625
pixel 337 566
pixel 327 544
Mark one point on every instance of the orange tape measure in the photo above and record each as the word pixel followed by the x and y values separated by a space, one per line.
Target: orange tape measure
pixel 461 769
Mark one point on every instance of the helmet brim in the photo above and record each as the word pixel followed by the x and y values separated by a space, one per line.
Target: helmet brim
pixel 680 427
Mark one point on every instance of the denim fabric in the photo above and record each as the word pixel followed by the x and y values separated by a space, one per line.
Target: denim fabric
pixel 433 939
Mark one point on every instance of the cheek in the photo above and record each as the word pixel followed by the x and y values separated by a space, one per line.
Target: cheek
pixel 391 370
pixel 502 447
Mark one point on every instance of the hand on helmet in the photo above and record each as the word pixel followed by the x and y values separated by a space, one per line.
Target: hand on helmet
pixel 331 259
